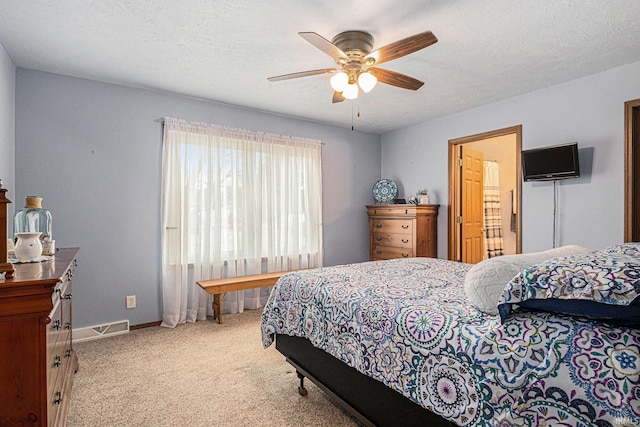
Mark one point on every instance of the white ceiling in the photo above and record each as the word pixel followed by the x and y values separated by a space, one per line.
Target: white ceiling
pixel 224 50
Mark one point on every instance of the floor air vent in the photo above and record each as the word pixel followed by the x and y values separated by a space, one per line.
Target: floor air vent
pixel 101 331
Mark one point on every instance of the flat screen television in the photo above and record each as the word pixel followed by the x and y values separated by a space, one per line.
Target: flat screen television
pixel 551 163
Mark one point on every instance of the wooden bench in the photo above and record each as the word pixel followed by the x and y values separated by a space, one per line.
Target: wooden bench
pixel 217 287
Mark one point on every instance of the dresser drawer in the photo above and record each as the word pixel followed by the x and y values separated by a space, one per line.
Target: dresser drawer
pixel 399 226
pixel 392 239
pixel 56 398
pixel 56 364
pixel 392 211
pixel 388 252
pixel 54 329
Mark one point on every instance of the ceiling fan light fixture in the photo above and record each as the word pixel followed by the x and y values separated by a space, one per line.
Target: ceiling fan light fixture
pixel 350 91
pixel 354 55
pixel 367 81
pixel 339 81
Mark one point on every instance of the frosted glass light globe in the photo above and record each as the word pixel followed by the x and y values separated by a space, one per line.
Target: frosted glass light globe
pixel 351 91
pixel 339 81
pixel 367 81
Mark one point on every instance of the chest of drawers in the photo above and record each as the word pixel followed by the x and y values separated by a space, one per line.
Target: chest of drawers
pixel 37 360
pixel 402 231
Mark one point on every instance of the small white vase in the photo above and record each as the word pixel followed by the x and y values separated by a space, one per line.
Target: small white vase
pixel 28 247
pixel 423 199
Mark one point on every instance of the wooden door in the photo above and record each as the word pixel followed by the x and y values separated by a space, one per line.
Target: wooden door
pixel 472 209
pixel 632 172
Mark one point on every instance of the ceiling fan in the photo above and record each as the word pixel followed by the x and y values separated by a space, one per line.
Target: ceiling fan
pixel 352 52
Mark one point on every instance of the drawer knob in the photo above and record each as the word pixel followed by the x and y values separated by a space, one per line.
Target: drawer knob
pixel 405 240
pixel 404 227
pixel 378 225
pixel 378 252
pixel 379 239
pixel 405 255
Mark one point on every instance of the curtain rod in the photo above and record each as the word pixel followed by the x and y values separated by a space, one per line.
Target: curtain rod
pixel 161 121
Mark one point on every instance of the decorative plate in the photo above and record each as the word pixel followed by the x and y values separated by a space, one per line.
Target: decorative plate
pixel 385 191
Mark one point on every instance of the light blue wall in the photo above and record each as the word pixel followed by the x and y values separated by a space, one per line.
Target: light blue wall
pixel 7 125
pixel 589 110
pixel 93 152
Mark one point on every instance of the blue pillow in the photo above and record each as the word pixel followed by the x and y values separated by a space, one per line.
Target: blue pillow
pixel 602 285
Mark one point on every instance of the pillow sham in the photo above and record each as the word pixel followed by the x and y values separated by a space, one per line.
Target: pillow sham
pixel 602 285
pixel 485 281
pixel 631 249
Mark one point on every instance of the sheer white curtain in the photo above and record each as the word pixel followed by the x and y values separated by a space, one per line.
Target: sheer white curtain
pixel 234 203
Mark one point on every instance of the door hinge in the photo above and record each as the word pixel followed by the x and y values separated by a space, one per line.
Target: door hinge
pixel 459 219
pixel 459 162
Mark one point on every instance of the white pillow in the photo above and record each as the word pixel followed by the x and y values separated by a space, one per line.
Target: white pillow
pixel 486 280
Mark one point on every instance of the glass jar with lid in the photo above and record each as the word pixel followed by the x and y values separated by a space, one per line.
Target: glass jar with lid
pixel 33 218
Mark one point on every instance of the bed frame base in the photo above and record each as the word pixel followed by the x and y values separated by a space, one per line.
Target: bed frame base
pixel 302 374
pixel 368 400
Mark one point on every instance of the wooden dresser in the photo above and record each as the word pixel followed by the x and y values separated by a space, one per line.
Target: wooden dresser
pixel 37 360
pixel 403 231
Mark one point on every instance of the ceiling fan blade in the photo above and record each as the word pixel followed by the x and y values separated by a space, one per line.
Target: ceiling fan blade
pixel 337 97
pixel 402 47
pixel 324 45
pixel 396 79
pixel 301 74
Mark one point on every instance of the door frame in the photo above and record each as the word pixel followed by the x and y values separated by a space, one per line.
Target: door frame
pixel 454 235
pixel 630 183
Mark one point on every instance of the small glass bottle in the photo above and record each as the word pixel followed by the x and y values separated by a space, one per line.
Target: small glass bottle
pixel 33 218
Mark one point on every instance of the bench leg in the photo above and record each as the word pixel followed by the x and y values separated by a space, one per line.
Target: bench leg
pixel 217 308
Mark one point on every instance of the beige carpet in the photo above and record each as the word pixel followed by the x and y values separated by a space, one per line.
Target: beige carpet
pixel 198 374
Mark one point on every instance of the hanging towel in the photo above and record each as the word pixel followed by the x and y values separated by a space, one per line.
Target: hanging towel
pixel 492 215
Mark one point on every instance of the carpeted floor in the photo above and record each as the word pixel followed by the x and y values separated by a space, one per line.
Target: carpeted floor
pixel 198 374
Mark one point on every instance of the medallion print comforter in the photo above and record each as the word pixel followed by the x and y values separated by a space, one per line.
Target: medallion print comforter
pixel 408 324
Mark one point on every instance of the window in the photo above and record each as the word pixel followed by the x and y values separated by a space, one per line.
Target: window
pixel 236 198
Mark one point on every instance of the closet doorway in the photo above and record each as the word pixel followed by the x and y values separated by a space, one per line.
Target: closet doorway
pixel 485 185
pixel 632 171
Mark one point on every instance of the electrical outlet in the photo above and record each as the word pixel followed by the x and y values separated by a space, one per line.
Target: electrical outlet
pixel 131 302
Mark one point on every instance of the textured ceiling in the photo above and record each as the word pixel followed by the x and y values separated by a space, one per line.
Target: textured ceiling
pixel 224 50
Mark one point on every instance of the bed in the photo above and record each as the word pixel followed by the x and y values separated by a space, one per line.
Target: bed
pixel 402 342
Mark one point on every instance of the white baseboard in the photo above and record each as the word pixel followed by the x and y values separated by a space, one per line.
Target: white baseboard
pixel 101 331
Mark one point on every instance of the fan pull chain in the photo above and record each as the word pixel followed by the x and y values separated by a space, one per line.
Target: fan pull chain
pixel 358 113
pixel 352 116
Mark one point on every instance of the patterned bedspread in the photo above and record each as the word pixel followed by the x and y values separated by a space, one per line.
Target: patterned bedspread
pixel 408 324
